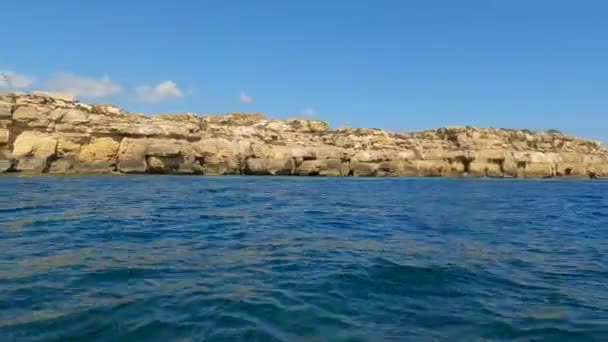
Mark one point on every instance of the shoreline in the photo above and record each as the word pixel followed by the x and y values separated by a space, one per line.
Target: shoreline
pixel 253 176
pixel 42 134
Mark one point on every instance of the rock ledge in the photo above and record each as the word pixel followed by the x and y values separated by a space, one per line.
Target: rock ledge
pixel 40 133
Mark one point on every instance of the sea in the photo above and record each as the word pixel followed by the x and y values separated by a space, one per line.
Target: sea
pixel 196 258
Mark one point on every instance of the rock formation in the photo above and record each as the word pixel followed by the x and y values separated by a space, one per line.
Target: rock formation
pixel 44 134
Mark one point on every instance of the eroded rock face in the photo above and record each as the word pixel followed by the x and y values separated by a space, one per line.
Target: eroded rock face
pixel 40 133
pixel 34 151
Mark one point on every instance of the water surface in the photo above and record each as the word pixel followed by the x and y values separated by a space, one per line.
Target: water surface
pixel 162 258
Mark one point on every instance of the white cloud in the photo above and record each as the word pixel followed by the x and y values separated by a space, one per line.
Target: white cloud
pixel 12 80
pixel 245 98
pixel 82 86
pixel 163 91
pixel 309 111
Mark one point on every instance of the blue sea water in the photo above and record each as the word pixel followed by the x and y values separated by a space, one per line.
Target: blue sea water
pixel 179 258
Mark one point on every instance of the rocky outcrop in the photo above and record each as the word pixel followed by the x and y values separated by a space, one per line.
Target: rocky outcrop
pixel 40 133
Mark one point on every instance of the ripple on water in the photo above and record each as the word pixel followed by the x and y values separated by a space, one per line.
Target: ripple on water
pixel 301 259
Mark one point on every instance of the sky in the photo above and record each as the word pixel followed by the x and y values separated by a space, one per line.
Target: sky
pixel 401 65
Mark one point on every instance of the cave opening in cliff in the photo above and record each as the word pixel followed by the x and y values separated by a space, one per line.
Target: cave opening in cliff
pixel 568 172
pixel 466 163
pixel 500 162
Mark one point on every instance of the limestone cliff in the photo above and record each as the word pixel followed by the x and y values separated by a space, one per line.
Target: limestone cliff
pixel 44 134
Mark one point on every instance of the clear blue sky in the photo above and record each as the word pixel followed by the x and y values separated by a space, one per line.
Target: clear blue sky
pixel 399 65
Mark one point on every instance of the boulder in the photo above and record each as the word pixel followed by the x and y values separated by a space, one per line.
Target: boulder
pixel 390 168
pixel 218 156
pixel 256 166
pixel 309 126
pixel 510 166
pixel 100 149
pixel 31 117
pixel 309 168
pixel 100 155
pixel 132 155
pixel 219 165
pixel 269 166
pixel 334 168
pixel 281 166
pixel 33 151
pixel 539 170
pixel 70 144
pixel 158 164
pixel 5 110
pixel 363 169
pixel 69 116
pixel 65 165
pixel 430 168
pixel 485 169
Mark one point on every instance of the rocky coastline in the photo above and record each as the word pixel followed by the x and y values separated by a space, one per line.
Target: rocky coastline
pixel 41 133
